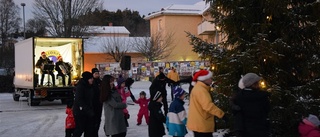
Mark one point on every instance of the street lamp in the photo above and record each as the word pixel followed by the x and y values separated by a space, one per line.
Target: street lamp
pixel 24 24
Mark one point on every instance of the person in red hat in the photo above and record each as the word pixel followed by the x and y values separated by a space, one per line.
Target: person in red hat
pixel 202 109
pixel 42 61
pixel 63 69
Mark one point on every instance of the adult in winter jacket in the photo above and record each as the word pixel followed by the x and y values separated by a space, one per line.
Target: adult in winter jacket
pixel 156 119
pixel 202 110
pixel 83 106
pixel 60 63
pixel 42 61
pixel 177 116
pixel 252 108
pixel 309 127
pixel 159 84
pixel 113 106
pixel 97 105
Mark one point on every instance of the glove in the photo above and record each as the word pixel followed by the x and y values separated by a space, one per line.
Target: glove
pixel 127 115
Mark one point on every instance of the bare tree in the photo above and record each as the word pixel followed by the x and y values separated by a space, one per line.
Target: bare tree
pixel 65 18
pixel 116 47
pixel 9 19
pixel 158 46
pixel 36 26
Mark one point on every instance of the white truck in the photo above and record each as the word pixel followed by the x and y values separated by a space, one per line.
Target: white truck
pixel 27 75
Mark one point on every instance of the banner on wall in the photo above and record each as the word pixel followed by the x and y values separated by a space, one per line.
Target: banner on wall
pixel 148 69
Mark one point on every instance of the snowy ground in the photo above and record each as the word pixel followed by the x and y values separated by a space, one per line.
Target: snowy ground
pixel 17 119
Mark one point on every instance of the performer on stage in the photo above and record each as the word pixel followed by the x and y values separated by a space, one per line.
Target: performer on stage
pixel 63 69
pixel 42 61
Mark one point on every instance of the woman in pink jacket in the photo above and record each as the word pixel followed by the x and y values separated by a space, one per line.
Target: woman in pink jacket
pixel 309 127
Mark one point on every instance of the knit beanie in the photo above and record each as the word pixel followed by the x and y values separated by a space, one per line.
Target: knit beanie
pixel 94 70
pixel 120 80
pixel 87 75
pixel 248 79
pixel 314 120
pixel 178 92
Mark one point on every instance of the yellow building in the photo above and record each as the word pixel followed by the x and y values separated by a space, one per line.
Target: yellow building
pixel 179 19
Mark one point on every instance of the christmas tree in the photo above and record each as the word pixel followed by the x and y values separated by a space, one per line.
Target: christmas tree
pixel 278 40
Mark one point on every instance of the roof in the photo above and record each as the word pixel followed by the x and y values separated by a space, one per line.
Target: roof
pixel 108 29
pixel 174 9
pixel 96 44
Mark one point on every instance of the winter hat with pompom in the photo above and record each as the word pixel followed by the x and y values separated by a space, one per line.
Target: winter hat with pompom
pixel 178 92
pixel 201 75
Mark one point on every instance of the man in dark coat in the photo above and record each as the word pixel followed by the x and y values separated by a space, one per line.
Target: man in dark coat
pixel 159 84
pixel 83 110
pixel 42 61
pixel 250 108
pixel 97 105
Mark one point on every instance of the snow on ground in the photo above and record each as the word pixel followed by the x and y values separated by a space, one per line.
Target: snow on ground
pixel 48 119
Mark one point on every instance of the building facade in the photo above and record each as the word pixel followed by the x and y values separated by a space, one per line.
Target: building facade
pixel 179 19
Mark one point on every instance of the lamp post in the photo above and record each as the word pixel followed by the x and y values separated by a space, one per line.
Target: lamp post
pixel 24 24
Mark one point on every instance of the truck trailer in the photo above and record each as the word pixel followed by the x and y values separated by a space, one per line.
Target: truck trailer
pixel 27 76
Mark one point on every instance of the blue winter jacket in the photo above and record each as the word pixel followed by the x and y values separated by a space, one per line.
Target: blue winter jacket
pixel 177 118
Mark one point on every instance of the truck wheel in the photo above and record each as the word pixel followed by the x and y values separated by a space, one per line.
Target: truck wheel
pixel 32 101
pixel 15 96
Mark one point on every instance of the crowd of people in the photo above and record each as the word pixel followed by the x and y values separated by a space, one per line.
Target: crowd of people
pixel 250 107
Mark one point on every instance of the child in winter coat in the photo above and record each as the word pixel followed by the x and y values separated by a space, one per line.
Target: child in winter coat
pixel 143 111
pixel 124 92
pixel 70 123
pixel 309 127
pixel 177 116
pixel 157 118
